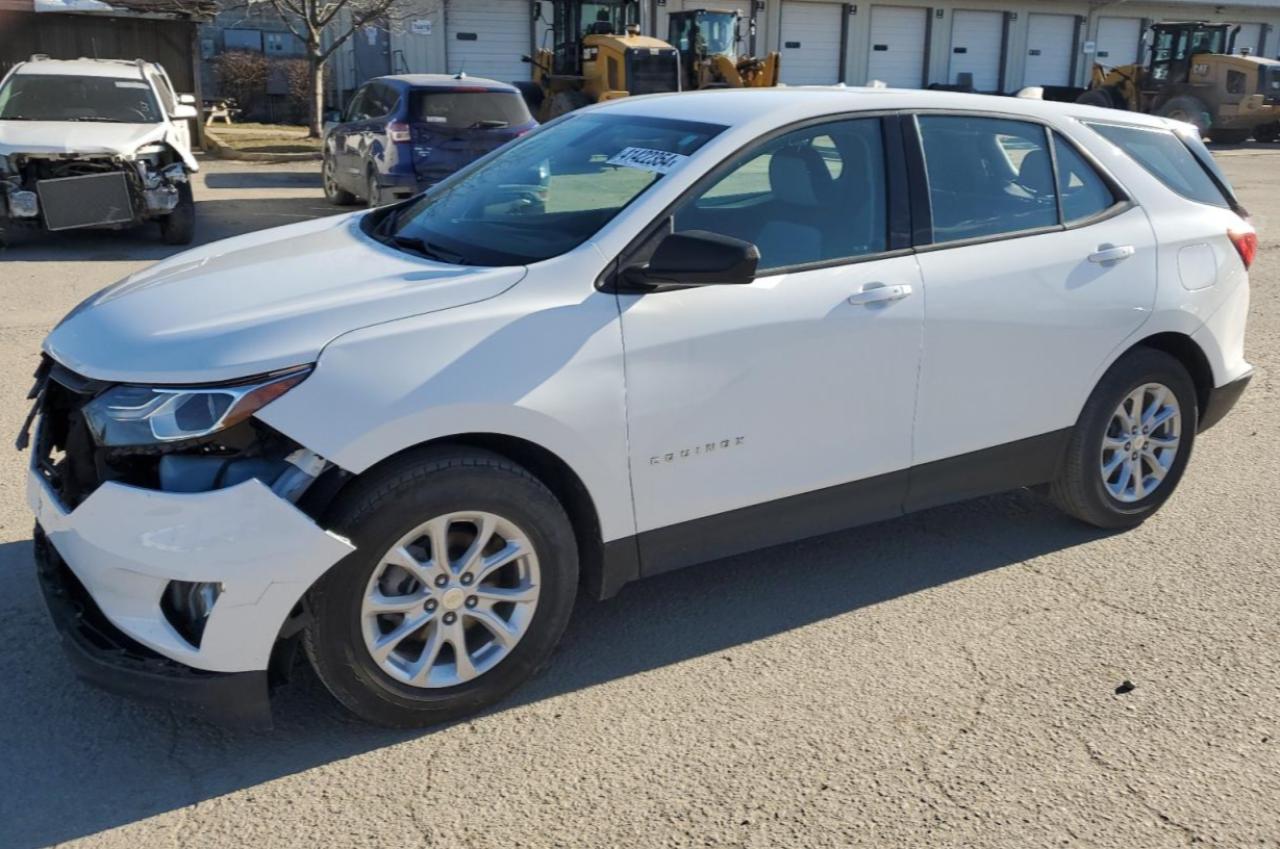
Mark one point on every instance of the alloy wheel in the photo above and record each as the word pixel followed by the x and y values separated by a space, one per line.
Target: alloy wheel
pixel 450 599
pixel 1141 442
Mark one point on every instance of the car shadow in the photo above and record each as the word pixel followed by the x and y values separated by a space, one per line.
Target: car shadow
pixel 79 761
pixel 264 179
pixel 215 219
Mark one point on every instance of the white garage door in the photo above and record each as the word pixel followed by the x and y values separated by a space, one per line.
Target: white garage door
pixel 811 36
pixel 1247 39
pixel 898 37
pixel 486 38
pixel 1050 39
pixel 1118 41
pixel 976 38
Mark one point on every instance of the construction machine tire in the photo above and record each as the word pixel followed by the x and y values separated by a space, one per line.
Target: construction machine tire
pixel 563 102
pixel 1221 136
pixel 1191 110
pixel 1267 132
pixel 1096 97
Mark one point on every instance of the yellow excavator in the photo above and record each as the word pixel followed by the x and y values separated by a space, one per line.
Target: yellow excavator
pixel 596 53
pixel 708 43
pixel 1192 74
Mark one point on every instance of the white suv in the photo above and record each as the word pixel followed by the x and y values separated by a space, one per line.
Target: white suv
pixel 94 143
pixel 405 438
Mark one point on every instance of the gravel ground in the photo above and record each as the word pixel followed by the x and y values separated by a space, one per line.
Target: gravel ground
pixel 948 679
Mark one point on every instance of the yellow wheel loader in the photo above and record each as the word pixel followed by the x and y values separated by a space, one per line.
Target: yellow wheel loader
pixel 1191 75
pixel 596 53
pixel 708 43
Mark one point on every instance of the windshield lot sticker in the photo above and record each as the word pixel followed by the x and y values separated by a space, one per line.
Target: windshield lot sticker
pixel 646 159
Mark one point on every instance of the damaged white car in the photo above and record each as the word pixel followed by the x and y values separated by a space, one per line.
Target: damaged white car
pixel 94 143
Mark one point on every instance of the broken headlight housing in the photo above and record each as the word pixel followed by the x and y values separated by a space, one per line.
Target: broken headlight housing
pixel 128 415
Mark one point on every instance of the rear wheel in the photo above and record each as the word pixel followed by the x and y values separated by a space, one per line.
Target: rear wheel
pixel 334 193
pixel 1131 444
pixel 179 226
pixel 1267 132
pixel 1188 109
pixel 1096 97
pixel 462 581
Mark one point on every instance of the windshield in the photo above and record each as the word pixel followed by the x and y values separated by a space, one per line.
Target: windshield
pixel 546 193
pixel 719 32
pixel 462 110
pixel 59 97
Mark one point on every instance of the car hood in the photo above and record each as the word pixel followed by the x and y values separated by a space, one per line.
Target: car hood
pixel 257 303
pixel 86 137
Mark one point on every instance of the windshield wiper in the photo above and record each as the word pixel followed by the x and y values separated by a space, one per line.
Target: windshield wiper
pixel 95 119
pixel 427 250
pixel 489 125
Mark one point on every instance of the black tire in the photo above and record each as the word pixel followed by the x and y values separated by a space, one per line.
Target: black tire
pixel 333 193
pixel 1096 97
pixel 1218 135
pixel 1190 109
pixel 1267 133
pixel 372 191
pixel 179 226
pixel 1080 490
pixel 380 509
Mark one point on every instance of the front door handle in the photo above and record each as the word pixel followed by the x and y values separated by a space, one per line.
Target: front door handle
pixel 876 293
pixel 1105 254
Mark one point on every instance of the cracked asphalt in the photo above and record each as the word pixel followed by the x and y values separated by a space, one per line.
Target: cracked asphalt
pixel 947 679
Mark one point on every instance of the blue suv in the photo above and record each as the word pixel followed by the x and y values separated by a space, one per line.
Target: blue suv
pixel 402 134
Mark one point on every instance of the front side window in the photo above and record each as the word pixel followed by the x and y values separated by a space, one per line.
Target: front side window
pixel 813 195
pixel 547 192
pixel 61 97
pixel 1167 159
pixel 987 176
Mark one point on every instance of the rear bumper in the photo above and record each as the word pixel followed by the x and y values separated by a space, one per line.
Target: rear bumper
pixel 106 657
pixel 1221 400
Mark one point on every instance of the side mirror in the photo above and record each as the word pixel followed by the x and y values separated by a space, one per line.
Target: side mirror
pixel 696 258
pixel 184 111
pixel 187 99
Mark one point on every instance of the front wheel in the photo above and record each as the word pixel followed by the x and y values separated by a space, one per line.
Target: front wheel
pixel 1188 109
pixel 179 226
pixel 462 581
pixel 1131 444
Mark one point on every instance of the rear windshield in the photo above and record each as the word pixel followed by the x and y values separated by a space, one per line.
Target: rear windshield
pixel 1168 158
pixel 463 110
pixel 61 97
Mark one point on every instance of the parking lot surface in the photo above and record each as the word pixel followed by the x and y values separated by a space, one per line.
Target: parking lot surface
pixel 947 679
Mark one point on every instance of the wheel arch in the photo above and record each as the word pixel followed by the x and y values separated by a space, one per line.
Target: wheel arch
pixel 1185 350
pixel 595 574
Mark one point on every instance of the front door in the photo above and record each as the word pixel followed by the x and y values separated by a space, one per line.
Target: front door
pixel 771 411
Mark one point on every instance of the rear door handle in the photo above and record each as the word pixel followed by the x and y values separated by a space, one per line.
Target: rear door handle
pixel 876 293
pixel 1112 254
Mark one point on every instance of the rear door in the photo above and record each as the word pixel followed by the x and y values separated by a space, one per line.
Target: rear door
pixel 977 48
pixel 812 40
pixel 898 46
pixel 1020 313
pixel 344 140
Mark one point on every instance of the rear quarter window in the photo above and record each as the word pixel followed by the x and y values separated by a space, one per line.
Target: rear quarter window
pixel 1169 160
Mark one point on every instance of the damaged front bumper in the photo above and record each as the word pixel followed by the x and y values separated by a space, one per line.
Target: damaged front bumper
pixel 178 596
pixel 66 192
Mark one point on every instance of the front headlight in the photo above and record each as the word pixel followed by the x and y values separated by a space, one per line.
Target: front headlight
pixel 145 415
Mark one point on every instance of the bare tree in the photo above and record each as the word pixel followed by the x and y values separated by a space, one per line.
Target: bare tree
pixel 325 25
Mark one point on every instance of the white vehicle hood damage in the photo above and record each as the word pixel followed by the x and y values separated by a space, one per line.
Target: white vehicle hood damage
pixel 257 303
pixel 87 138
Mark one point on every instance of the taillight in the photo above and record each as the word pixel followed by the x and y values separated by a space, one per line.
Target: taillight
pixel 398 131
pixel 1246 242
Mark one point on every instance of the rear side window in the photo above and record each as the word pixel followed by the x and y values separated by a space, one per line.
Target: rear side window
pixel 1167 159
pixel 1084 192
pixel 987 176
pixel 465 110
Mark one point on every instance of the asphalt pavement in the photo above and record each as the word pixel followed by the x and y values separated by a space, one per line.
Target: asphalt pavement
pixel 947 679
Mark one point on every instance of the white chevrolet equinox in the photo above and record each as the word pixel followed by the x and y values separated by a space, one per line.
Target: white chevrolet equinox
pixel 651 333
